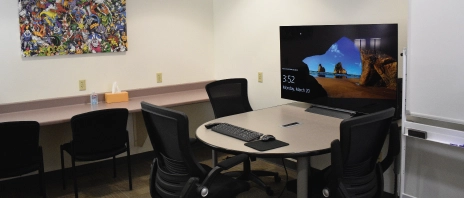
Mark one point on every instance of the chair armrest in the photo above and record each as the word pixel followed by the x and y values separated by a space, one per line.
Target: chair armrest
pixel 224 165
pixel 233 161
pixel 193 189
pixel 190 189
pixel 393 146
pixel 336 160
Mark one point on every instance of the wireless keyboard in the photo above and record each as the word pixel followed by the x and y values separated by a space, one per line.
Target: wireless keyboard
pixel 236 132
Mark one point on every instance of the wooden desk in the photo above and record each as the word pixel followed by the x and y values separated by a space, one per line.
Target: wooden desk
pixel 54 115
pixel 47 113
pixel 312 136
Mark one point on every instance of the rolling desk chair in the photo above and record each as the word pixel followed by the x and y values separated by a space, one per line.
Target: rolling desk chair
pixel 230 97
pixel 97 135
pixel 355 170
pixel 175 172
pixel 20 150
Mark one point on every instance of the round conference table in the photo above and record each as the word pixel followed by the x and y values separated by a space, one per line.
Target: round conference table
pixel 307 134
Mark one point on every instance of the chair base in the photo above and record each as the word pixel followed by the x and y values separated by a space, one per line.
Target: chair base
pixel 253 176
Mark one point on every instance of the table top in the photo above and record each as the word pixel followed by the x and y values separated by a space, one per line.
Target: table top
pixel 312 136
pixel 61 114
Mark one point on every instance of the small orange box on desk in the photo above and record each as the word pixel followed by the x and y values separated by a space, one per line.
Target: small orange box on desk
pixel 122 96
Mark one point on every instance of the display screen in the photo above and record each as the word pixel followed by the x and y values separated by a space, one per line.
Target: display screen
pixel 354 67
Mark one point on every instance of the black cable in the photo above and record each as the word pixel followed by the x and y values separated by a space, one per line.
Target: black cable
pixel 286 179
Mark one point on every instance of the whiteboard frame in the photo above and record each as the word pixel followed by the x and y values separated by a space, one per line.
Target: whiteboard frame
pixel 403 121
pixel 438 131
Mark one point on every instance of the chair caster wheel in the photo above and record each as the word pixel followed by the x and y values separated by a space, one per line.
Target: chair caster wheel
pixel 277 179
pixel 269 191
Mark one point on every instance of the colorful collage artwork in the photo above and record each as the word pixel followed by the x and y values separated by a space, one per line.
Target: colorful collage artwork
pixel 60 27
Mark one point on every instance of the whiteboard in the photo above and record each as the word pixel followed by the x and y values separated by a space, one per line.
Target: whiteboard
pixel 435 60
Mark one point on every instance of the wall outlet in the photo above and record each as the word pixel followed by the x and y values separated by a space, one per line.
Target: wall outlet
pixel 82 85
pixel 260 77
pixel 159 77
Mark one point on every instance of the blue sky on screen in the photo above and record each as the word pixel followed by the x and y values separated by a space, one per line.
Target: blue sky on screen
pixel 343 51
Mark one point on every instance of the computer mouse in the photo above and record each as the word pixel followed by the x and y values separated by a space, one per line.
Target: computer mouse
pixel 267 138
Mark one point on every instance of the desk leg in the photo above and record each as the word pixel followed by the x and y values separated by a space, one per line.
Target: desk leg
pixel 214 158
pixel 303 167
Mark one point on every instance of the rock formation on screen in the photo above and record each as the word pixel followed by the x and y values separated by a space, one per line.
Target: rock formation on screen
pixel 321 71
pixel 339 69
pixel 320 68
pixel 378 70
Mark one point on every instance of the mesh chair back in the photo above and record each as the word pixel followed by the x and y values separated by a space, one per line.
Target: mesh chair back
pixel 361 140
pixel 19 143
pixel 99 131
pixel 169 136
pixel 354 170
pixel 229 96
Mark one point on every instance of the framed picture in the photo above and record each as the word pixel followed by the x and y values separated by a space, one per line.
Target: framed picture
pixel 61 27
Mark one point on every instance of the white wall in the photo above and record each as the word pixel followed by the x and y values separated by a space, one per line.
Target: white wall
pixel 246 40
pixel 246 35
pixel 172 37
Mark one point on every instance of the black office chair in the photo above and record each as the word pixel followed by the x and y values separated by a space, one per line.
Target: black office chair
pixel 394 147
pixel 355 170
pixel 175 167
pixel 230 97
pixel 20 150
pixel 97 135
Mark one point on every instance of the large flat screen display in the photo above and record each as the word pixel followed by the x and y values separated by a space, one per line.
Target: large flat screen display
pixel 352 67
